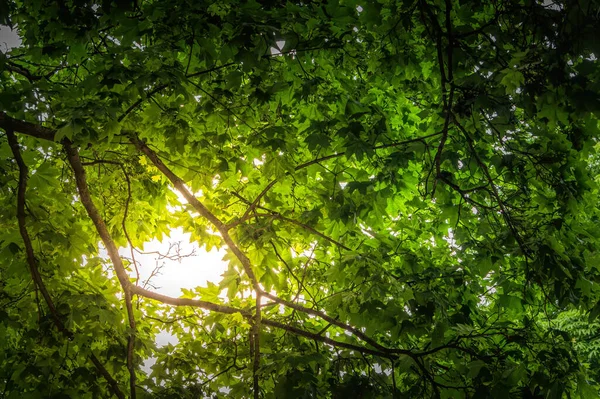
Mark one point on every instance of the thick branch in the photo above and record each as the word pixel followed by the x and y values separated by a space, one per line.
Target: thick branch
pixel 187 302
pixel 31 261
pixel 28 128
pixel 92 211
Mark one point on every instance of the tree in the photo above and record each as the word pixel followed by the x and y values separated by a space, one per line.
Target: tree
pixel 407 191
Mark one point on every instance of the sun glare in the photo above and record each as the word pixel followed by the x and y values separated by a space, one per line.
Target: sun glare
pixel 174 263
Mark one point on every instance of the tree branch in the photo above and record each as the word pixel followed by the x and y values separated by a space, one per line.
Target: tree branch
pixel 329 319
pixel 15 68
pixel 31 261
pixel 28 128
pixel 326 340
pixel 114 386
pixel 494 190
pixel 188 302
pixel 113 252
pixel 163 86
pixel 277 215
pixel 256 201
pixel 92 211
pixel 378 147
pixel 128 295
pixel 131 345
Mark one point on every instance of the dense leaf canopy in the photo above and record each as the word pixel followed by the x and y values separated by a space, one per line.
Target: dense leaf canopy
pixel 407 192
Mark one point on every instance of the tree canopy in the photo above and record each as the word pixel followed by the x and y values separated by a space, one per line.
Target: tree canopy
pixel 407 192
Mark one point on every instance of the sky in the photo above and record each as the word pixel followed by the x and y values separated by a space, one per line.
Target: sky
pixel 8 38
pixel 187 272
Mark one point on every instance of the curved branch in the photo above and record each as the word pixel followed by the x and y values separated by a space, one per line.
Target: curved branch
pixel 92 211
pixel 31 261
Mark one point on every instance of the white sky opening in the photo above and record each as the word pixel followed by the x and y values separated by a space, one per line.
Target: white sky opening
pixel 9 38
pixel 195 267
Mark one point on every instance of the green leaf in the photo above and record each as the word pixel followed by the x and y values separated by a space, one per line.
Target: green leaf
pixel 410 188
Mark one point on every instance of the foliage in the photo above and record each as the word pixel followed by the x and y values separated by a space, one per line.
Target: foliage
pixel 407 191
pixel 584 337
